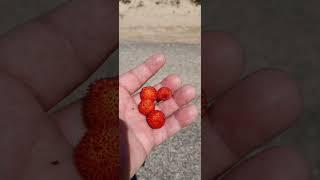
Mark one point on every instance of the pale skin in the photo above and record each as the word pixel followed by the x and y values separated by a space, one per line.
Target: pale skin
pixel 43 60
pixel 179 113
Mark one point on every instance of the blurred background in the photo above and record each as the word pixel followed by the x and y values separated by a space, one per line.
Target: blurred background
pixel 285 35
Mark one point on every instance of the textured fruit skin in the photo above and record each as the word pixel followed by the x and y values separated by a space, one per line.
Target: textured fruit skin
pixel 101 105
pixel 164 93
pixel 146 106
pixel 156 119
pixel 97 155
pixel 148 92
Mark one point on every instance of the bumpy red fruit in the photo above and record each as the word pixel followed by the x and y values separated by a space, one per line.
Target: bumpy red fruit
pixel 102 103
pixel 156 119
pixel 164 94
pixel 148 92
pixel 97 155
pixel 146 106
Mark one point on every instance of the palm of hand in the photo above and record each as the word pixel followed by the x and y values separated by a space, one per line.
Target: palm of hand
pixel 141 138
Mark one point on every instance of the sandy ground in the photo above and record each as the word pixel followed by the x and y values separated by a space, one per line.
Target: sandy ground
pixel 160 21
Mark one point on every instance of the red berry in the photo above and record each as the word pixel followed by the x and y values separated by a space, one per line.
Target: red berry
pixel 97 154
pixel 148 92
pixel 146 106
pixel 102 103
pixel 164 94
pixel 156 119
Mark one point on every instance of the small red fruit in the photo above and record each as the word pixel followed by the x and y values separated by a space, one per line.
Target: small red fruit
pixel 146 106
pixel 156 119
pixel 164 94
pixel 96 157
pixel 101 105
pixel 148 92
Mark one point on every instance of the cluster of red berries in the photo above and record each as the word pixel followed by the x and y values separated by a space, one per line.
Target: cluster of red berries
pixel 149 96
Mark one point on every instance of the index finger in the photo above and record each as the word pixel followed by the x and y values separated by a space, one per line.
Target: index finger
pixel 135 78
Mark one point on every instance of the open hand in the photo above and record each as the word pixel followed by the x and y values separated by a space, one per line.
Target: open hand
pixel 141 138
